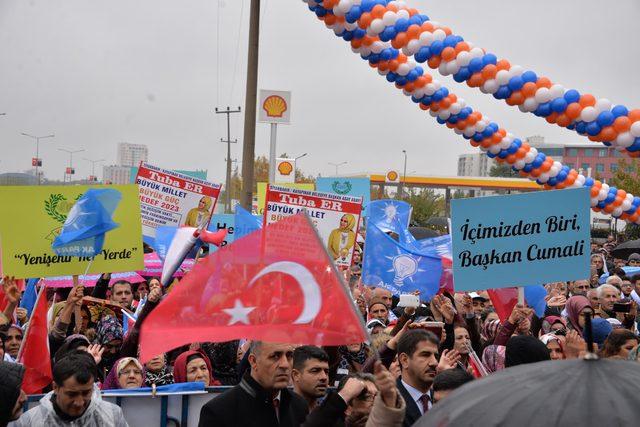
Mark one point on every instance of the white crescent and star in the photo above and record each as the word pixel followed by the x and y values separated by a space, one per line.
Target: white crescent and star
pixel 308 285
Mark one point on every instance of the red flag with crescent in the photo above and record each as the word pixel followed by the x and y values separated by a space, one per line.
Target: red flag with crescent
pixel 276 284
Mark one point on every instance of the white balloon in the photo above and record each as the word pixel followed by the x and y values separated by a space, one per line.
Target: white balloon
pixel 439 34
pixel 463 58
pixel 528 158
pixel 389 18
pixel 433 113
pixel 426 38
pixel 457 131
pixel 476 52
pixel 442 68
pixel 529 104
pixel 616 212
pixel 553 171
pixel 594 201
pixel 504 143
pixel 455 108
pixel 626 205
pixel 437 84
pixel 403 14
pixel 580 180
pixel 377 26
pixel 625 139
pixel 494 149
pixel 519 164
pixel 635 129
pixel 480 125
pixel 491 86
pixel 412 47
pixel 502 77
pixel 469 131
pixel 588 114
pixel 602 194
pixel 516 70
pixel 452 67
pixel 544 177
pixel 403 69
pixel 603 105
pixel 444 114
pixel 542 95
pixel 557 91
pixel 377 47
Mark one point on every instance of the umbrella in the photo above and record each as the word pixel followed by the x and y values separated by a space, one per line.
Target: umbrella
pixel 552 393
pixel 623 250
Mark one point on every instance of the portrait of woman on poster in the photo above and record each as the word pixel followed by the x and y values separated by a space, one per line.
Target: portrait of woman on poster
pixel 199 217
pixel 342 239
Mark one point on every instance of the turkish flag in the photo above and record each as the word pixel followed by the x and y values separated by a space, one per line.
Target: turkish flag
pixel 503 300
pixel 276 284
pixel 34 354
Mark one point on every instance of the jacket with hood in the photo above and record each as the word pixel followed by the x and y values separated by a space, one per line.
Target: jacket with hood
pixel 99 413
pixel 11 375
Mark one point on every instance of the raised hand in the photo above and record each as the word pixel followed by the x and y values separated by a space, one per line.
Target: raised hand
pixel 10 288
pixel 386 384
pixel 96 350
pixel 448 360
pixel 574 345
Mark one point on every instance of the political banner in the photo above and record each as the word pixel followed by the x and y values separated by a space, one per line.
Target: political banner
pixel 33 216
pixel 358 187
pixel 258 208
pixel 335 217
pixel 520 240
pixel 236 225
pixel 173 199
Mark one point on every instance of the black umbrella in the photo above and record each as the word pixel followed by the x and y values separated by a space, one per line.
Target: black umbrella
pixel 554 393
pixel 623 250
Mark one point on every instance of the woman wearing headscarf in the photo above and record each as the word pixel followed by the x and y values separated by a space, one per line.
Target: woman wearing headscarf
pixel 342 239
pixel 156 371
pixel 126 373
pixel 619 344
pixel 555 345
pixel 577 306
pixel 109 336
pixel 552 324
pixel 492 355
pixel 199 217
pixel 193 366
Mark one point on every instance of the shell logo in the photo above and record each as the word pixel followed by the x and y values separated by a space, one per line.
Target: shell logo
pixel 275 106
pixel 392 176
pixel 285 168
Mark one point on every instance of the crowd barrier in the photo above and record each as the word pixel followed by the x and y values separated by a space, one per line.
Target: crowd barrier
pixel 164 410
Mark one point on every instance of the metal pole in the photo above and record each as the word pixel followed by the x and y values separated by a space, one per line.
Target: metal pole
pixel 37 138
pixel 249 143
pixel 272 153
pixel 404 176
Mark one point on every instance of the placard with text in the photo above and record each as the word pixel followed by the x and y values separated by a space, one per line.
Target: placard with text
pixel 335 217
pixel 32 217
pixel 520 240
pixel 173 199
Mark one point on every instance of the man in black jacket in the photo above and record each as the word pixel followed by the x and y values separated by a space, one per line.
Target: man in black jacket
pixel 262 397
pixel 11 395
pixel 418 358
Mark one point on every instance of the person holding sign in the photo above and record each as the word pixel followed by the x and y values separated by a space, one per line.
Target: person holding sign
pixel 342 239
pixel 199 217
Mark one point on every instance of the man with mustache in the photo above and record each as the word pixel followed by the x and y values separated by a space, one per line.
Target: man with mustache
pixel 418 359
pixel 310 373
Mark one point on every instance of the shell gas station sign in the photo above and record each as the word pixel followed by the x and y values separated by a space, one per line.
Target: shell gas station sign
pixel 274 106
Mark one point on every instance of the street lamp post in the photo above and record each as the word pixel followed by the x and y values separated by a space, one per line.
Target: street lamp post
pixel 71 153
pixel 295 159
pixel 337 165
pixel 404 175
pixel 93 167
pixel 37 162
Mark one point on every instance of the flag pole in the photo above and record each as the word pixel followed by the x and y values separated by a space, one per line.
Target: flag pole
pixel 25 336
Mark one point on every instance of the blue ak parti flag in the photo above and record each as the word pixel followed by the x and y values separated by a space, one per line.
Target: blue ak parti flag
pixel 390 215
pixel 245 222
pixel 391 265
pixel 90 218
pixel 30 296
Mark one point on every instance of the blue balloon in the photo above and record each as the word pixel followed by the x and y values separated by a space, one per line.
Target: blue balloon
pixel 436 47
pixel 593 128
pixel 391 77
pixel 320 11
pixel 412 75
pixel 527 168
pixel 543 109
pixel 401 80
pixel 487 132
pixel 537 162
pixel 475 65
pixel 462 75
pixel 422 55
pixel 367 5
pixel 503 154
pixel 490 155
pixel 359 33
pixel 516 83
pixel 559 105
pixel 605 118
pixel 619 110
pixel 450 41
pixel 402 25
pixel 493 126
pixel 353 15
pixel 489 58
pixel 588 182
pixel 553 181
pixel 529 77
pixel 387 54
pixel 438 95
pixel 572 95
pixel 477 137
pixel 562 175
pixel 581 127
pixel 512 149
pixel 601 205
pixel 387 34
pixel 503 92
pixel 610 198
pixel 441 121
pixel 517 143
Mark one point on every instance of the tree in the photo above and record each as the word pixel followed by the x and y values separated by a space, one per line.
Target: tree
pixel 426 204
pixel 627 177
pixel 502 171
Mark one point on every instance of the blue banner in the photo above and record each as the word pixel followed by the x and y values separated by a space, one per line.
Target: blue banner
pixel 389 264
pixel 520 240
pixel 358 187
pixel 238 225
pixel 390 215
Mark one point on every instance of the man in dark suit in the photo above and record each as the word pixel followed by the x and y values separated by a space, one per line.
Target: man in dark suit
pixel 262 397
pixel 418 359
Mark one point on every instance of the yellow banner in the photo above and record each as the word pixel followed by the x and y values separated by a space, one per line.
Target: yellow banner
pixel 32 216
pixel 258 208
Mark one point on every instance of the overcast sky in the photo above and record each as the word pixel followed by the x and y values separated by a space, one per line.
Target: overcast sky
pixel 96 73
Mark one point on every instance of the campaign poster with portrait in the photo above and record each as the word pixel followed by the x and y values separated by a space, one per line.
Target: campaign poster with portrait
pixel 169 198
pixel 336 217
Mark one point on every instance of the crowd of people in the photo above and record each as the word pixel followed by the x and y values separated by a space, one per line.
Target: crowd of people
pixel 415 358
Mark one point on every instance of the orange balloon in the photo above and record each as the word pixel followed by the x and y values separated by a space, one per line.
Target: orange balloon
pixel 608 134
pixel 520 153
pixel 462 47
pixel 529 89
pixel 609 208
pixel 447 30
pixel 427 26
pixel 633 217
pixel 392 7
pixel 621 124
pixel 563 120
pixel 378 11
pixel 434 62
pixel 399 41
pixel 496 138
pixel 587 100
pixel 551 118
pixel 516 98
pixel 543 82
pixel 330 19
pixel 511 158
pixel 413 32
pixel 503 64
pixel 522 173
pixel 448 53
pixel 475 80
pixel 489 72
pixel 445 103
pixel 573 110
pixel 634 115
pixel 424 107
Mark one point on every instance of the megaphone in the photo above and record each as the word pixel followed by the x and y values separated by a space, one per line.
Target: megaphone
pixel 213 238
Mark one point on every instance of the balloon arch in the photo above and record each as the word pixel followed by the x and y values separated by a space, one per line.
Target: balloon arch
pixel 395 39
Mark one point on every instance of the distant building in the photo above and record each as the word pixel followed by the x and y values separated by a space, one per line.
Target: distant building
pixel 116 174
pixel 477 164
pixel 18 178
pixel 132 154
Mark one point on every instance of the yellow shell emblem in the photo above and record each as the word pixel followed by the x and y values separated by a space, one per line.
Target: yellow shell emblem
pixel 285 168
pixel 275 106
pixel 392 175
